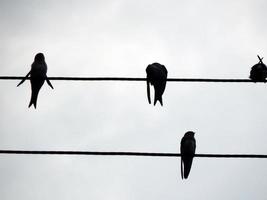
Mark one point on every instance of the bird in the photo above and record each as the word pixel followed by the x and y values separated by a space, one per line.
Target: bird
pixel 156 76
pixel 258 72
pixel 37 77
pixel 187 148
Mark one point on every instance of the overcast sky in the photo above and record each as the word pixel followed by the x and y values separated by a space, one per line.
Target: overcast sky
pixel 193 39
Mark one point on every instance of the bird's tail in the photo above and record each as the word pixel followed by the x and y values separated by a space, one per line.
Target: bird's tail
pixel 158 98
pixel 260 59
pixel 159 87
pixel 33 101
pixel 187 168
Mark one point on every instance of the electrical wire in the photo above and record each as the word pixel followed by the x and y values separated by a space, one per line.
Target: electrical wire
pixel 101 153
pixel 131 79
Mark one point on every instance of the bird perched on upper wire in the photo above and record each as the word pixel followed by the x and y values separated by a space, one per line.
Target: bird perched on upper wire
pixel 37 77
pixel 156 76
pixel 187 148
pixel 258 72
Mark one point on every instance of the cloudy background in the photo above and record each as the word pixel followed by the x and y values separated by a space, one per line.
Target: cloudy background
pixel 193 39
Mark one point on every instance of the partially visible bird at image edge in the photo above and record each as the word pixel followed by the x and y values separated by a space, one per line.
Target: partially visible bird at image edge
pixel 258 72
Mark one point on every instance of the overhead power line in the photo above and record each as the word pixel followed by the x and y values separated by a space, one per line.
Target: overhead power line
pixel 129 79
pixel 101 153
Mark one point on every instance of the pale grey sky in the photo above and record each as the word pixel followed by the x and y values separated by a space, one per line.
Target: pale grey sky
pixel 198 39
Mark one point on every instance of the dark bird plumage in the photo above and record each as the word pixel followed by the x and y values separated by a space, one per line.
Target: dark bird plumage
pixel 37 77
pixel 157 76
pixel 258 72
pixel 187 148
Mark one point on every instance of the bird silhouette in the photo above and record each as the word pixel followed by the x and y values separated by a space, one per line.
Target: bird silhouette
pixel 37 77
pixel 157 76
pixel 188 147
pixel 258 72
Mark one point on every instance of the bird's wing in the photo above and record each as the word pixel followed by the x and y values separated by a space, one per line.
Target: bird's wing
pixel 22 81
pixel 49 83
pixel 182 170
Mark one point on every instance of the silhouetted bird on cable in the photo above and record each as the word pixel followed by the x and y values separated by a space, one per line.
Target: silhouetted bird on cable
pixel 188 147
pixel 37 77
pixel 258 72
pixel 157 76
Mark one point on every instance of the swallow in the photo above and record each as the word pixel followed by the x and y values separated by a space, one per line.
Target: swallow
pixel 258 72
pixel 156 76
pixel 37 77
pixel 187 148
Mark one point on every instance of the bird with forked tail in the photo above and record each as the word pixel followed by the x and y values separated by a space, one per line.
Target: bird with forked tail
pixel 157 76
pixel 37 77
pixel 187 148
pixel 258 72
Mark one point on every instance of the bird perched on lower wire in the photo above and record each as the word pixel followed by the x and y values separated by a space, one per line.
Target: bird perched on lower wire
pixel 157 76
pixel 187 148
pixel 37 77
pixel 258 72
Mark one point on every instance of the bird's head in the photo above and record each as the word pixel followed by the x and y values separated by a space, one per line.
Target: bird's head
pixel 39 57
pixel 189 134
